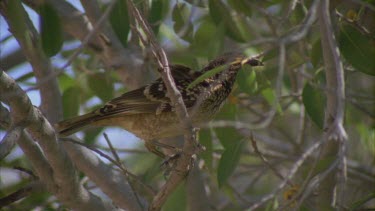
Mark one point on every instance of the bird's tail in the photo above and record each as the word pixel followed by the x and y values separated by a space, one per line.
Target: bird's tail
pixel 75 124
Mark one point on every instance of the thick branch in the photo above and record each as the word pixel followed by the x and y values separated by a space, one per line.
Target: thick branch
pixel 334 75
pixel 68 189
pixel 26 35
pixel 335 132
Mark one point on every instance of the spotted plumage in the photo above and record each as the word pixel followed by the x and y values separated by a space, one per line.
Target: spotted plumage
pixel 147 112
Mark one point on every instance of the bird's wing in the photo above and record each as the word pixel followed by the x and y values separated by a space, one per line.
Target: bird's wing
pixel 152 98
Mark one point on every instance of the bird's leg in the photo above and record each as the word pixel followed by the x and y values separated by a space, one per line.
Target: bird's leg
pixel 152 148
pixel 166 146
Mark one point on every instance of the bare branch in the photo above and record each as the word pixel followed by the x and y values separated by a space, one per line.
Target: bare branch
pixel 184 162
pixel 290 175
pixel 335 132
pixel 264 159
pixel 67 187
pixel 28 38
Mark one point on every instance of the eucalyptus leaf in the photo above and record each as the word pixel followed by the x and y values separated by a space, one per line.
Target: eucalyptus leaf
pixel 357 49
pixel 119 19
pixel 71 101
pixel 51 30
pixel 101 85
pixel 228 162
pixel 313 101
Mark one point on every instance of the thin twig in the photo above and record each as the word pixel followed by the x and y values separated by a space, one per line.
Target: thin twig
pixel 264 159
pixel 118 164
pixel 189 149
pixel 122 167
pixel 290 175
pixel 114 153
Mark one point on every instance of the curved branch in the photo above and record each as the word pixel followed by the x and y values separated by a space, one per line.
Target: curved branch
pixel 65 185
pixel 335 108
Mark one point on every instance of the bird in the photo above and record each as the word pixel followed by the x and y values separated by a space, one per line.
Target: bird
pixel 148 113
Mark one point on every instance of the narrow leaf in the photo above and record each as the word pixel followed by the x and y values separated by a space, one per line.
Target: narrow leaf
pixel 156 14
pixel 119 20
pixel 177 200
pixel 357 49
pixel 71 101
pixel 51 31
pixel 241 6
pixel 313 101
pixel 208 74
pixel 206 141
pixel 228 162
pixel 228 136
pixel 246 80
pixel 270 97
pixel 101 85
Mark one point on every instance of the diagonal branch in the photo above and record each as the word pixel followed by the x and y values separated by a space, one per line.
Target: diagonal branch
pixel 184 162
pixel 61 178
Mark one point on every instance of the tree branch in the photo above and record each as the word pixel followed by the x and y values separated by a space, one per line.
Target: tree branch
pixel 335 108
pixel 66 186
pixel 126 62
pixel 184 162
pixel 28 38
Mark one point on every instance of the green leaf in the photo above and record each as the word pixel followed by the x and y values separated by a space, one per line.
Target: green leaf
pixel 119 20
pixel 357 49
pixel 314 101
pixel 206 141
pixel 228 136
pixel 271 54
pixel 228 112
pixel 228 162
pixel 316 54
pixel 101 85
pixel 246 80
pixel 236 27
pixel 367 137
pixel 217 10
pixel 65 81
pixel 156 14
pixel 270 97
pixel 208 74
pixel 208 39
pixel 51 31
pixel 177 200
pixel 71 101
pixel 91 134
pixel 241 6
pixel 182 25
